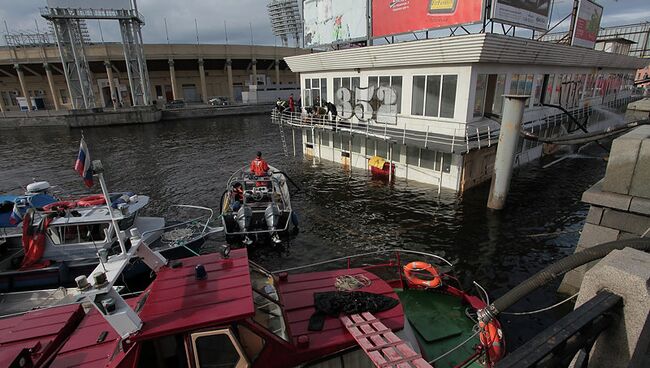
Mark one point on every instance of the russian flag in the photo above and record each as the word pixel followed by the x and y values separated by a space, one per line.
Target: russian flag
pixel 16 217
pixel 83 166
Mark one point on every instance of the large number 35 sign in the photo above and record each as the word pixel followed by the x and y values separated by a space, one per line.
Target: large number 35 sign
pixel 372 103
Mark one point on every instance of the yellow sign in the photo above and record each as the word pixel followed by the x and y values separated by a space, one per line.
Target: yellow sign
pixel 442 6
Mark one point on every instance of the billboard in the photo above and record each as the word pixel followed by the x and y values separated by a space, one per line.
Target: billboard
pixel 391 17
pixel 526 13
pixel 587 24
pixel 90 4
pixel 334 21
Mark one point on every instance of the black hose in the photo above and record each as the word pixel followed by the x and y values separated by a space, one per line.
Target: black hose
pixel 290 180
pixel 582 127
pixel 557 269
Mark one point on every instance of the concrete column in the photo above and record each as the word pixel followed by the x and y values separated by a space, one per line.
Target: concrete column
pixel 2 104
pixel 277 72
pixel 111 85
pixel 204 87
pixel 23 86
pixel 513 113
pixel 625 273
pixel 50 82
pixel 231 93
pixel 254 63
pixel 172 77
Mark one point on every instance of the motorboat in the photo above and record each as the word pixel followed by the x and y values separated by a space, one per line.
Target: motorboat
pixel 257 207
pixel 221 309
pixel 13 208
pixel 62 240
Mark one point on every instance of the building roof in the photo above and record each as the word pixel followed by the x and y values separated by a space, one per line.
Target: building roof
pixel 474 48
pixel 41 331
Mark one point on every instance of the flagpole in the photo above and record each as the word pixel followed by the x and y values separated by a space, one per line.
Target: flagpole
pixel 99 170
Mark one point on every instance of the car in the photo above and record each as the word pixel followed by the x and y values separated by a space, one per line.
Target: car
pixel 175 104
pixel 219 101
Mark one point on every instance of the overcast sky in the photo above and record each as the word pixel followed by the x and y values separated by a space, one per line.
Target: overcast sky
pixel 240 16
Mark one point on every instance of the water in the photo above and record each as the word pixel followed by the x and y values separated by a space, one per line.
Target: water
pixel 190 161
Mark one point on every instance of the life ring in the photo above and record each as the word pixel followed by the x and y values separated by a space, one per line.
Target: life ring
pixel 491 338
pixel 60 206
pixel 422 266
pixel 93 200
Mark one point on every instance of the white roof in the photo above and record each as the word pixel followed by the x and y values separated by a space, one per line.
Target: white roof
pixel 475 48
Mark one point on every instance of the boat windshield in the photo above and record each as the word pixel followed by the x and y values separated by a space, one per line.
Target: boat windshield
pixel 268 311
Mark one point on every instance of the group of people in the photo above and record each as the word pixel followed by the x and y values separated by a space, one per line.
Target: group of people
pixel 328 109
pixel 289 105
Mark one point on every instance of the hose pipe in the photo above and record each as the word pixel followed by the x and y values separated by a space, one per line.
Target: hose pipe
pixel 557 269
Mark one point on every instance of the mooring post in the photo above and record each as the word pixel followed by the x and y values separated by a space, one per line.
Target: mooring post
pixel 513 113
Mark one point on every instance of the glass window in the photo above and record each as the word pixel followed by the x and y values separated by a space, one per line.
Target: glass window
pixel 549 80
pixel 251 342
pixel 357 141
pixel 268 312
pixel 382 148
pixel 397 149
pixel 345 142
pixel 432 99
pixel 314 83
pixel 412 155
pixel 448 96
pixel 323 89
pixel 479 99
pixel 337 140
pixel 417 98
pixel 307 83
pixel 396 83
pixel 446 163
pixel 514 82
pixel 73 234
pixel 499 91
pixel 325 138
pixel 373 81
pixel 384 81
pixel 427 159
pixel 539 84
pixel 309 137
pixel 215 350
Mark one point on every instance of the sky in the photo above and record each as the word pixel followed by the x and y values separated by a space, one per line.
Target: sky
pixel 243 19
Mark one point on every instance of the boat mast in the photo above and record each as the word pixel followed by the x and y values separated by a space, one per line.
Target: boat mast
pixel 98 168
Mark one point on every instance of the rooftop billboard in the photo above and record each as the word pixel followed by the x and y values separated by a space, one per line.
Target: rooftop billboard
pixel 334 21
pixel 391 17
pixel 585 30
pixel 526 13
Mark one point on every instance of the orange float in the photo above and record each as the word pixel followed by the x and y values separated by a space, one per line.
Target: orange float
pixel 491 338
pixel 93 200
pixel 410 268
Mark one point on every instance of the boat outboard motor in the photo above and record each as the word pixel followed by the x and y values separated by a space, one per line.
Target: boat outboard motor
pixel 272 216
pixel 243 218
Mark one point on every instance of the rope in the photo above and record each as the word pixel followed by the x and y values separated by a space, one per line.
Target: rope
pixel 351 282
pixel 177 235
pixel 543 309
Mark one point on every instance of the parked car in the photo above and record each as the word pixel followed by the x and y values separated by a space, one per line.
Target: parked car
pixel 175 104
pixel 219 101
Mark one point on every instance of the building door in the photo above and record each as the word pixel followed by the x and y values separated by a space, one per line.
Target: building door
pixel 189 93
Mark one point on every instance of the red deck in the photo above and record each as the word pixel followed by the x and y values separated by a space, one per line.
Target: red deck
pixel 297 294
pixel 42 331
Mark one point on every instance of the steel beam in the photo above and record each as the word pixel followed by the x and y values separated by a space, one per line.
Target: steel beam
pixel 136 65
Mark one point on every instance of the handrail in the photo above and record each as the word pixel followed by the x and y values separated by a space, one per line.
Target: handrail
pixel 185 222
pixel 358 255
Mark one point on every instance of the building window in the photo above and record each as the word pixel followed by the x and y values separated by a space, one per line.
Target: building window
pixel 479 99
pixel 159 92
pixel 315 93
pixel 539 85
pixel 64 96
pixel 547 88
pixel 521 84
pixel 345 95
pixel 395 83
pixel 434 95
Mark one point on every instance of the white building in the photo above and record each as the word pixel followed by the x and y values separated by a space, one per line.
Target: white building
pixel 432 107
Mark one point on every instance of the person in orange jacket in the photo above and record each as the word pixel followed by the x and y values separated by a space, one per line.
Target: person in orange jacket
pixel 259 167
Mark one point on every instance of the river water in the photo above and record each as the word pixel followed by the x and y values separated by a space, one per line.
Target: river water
pixel 190 161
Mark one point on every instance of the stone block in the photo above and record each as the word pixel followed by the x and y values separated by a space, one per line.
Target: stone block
pixel 640 186
pixel 640 205
pixel 623 160
pixel 596 196
pixel 625 221
pixel 594 215
pixel 626 273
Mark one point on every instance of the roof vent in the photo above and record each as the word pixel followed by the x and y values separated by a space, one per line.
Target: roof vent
pixel 200 272
pixel 82 282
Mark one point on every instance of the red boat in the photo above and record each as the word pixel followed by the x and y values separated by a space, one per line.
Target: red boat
pixel 222 310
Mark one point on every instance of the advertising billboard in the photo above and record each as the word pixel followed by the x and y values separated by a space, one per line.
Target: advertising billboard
pixel 526 13
pixel 391 17
pixel 587 24
pixel 334 21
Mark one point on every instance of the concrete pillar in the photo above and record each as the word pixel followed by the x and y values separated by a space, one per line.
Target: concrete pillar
pixel 2 104
pixel 172 77
pixel 513 113
pixel 204 87
pixel 50 82
pixel 231 93
pixel 111 85
pixel 625 273
pixel 254 66
pixel 277 72
pixel 23 86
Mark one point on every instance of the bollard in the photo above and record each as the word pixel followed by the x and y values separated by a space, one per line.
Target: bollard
pixel 513 113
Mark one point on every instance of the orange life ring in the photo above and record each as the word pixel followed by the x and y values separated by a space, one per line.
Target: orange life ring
pixel 491 338
pixel 422 266
pixel 60 206
pixel 93 200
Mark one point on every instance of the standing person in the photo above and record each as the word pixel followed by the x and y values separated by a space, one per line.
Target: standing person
pixel 259 167
pixel 292 104
pixel 331 111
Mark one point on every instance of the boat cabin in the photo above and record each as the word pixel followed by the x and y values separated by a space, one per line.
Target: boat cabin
pixel 433 107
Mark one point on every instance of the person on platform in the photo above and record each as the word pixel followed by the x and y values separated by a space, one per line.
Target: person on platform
pixel 259 167
pixel 331 111
pixel 292 103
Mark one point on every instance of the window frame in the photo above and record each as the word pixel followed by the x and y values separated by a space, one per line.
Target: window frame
pixel 243 359
pixel 440 95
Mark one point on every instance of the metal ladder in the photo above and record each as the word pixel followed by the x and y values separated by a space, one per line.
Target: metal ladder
pixel 282 137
